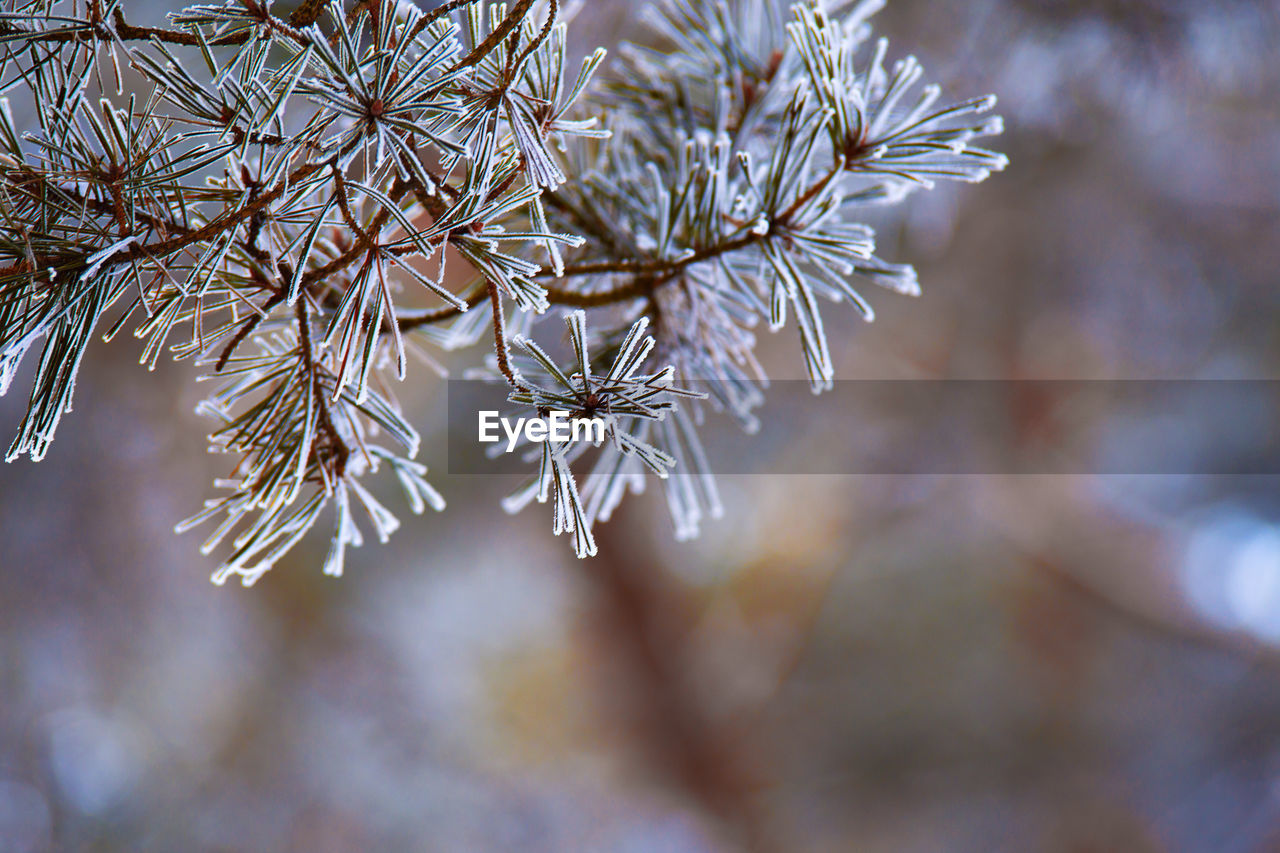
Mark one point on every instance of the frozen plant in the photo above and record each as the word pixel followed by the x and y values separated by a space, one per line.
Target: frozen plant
pixel 266 192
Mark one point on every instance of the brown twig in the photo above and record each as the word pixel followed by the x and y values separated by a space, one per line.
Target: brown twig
pixel 484 48
pixel 500 347
pixel 659 266
pixel 542 36
pixel 324 420
pixel 246 330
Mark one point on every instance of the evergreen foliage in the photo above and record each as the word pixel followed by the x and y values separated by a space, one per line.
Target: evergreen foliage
pixel 260 192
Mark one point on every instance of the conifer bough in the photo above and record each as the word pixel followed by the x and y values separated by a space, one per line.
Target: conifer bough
pixel 267 191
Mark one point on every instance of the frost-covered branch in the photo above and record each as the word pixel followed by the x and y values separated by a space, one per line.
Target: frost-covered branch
pixel 286 199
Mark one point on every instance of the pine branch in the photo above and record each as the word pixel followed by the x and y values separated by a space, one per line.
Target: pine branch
pixel 264 205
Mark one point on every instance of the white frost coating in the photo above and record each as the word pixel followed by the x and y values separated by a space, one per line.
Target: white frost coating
pixel 741 156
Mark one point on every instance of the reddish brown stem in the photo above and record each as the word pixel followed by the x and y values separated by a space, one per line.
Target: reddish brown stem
pixel 500 347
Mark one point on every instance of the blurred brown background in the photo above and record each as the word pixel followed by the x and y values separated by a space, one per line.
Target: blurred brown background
pixel 900 664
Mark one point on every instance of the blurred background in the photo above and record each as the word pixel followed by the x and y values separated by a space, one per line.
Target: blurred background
pixel 870 663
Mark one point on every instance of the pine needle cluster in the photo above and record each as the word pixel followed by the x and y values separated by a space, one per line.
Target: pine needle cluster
pixel 267 194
